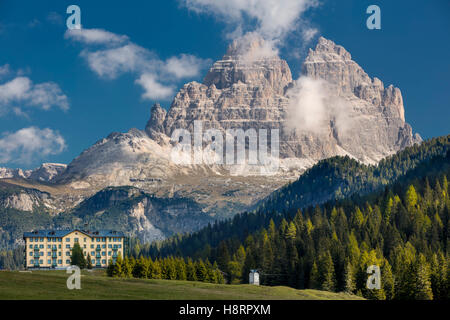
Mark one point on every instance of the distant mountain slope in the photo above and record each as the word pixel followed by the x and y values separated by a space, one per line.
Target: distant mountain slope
pixel 46 172
pixel 340 177
pixel 136 213
pixel 329 180
pixel 21 209
pixel 125 209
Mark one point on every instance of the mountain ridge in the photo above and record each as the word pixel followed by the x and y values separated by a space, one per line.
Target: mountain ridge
pixel 249 88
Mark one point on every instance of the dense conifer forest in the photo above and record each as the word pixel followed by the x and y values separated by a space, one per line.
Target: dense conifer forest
pixel 401 227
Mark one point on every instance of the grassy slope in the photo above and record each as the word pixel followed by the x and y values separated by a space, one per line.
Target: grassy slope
pixel 95 285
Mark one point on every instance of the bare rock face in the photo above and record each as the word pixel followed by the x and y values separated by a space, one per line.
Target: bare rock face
pixel 375 115
pixel 361 118
pixel 7 173
pixel 250 64
pixel 155 125
pixel 243 90
pixel 47 171
pixel 24 199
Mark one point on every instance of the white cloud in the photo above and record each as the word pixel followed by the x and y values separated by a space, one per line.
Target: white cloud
pixel 271 20
pixel 185 66
pixel 118 56
pixel 309 33
pixel 274 18
pixel 307 110
pixel 251 47
pixel 113 62
pixel 153 89
pixel 313 104
pixel 21 90
pixel 20 113
pixel 30 144
pixel 95 36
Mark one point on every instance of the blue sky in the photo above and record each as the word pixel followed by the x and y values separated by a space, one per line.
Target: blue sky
pixel 176 41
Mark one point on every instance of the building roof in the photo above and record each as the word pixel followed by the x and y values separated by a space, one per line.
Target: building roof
pixel 52 233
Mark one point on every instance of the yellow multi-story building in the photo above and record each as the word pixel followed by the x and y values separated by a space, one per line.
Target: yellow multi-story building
pixel 53 248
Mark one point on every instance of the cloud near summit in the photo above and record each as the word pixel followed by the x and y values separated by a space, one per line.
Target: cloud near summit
pixel 110 55
pixel 271 19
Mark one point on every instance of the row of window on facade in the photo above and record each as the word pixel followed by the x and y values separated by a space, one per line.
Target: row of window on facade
pixel 75 239
pixel 115 246
pixel 67 261
pixel 68 253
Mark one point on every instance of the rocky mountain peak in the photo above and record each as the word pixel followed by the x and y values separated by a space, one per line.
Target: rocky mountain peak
pixel 249 88
pixel 252 61
pixel 156 123
pixel 46 172
pixel 334 64
pixel 325 48
pixel 250 48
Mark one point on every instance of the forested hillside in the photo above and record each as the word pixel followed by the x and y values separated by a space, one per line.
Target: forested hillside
pixel 402 228
pixel 430 158
pixel 340 177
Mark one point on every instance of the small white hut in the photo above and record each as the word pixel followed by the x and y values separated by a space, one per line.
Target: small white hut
pixel 254 277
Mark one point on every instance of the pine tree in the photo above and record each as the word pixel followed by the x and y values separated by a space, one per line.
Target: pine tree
pixel 138 269
pixel 127 268
pixel 387 280
pixel 89 261
pixel 147 266
pixel 156 271
pixel 77 257
pixel 349 278
pixel 180 267
pixel 117 269
pixel 423 289
pixel 327 277
pixel 110 268
pixel 314 280
pixel 191 274
pixel 201 271
pixel 223 256
pixel 235 271
pixel 267 255
pixel 411 198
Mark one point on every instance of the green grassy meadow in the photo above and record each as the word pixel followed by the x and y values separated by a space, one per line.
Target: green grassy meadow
pixel 95 285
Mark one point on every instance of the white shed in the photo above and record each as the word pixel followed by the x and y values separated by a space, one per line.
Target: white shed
pixel 254 277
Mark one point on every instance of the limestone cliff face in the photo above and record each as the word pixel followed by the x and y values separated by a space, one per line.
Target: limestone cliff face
pixel 24 199
pixel 376 116
pixel 235 93
pixel 244 90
